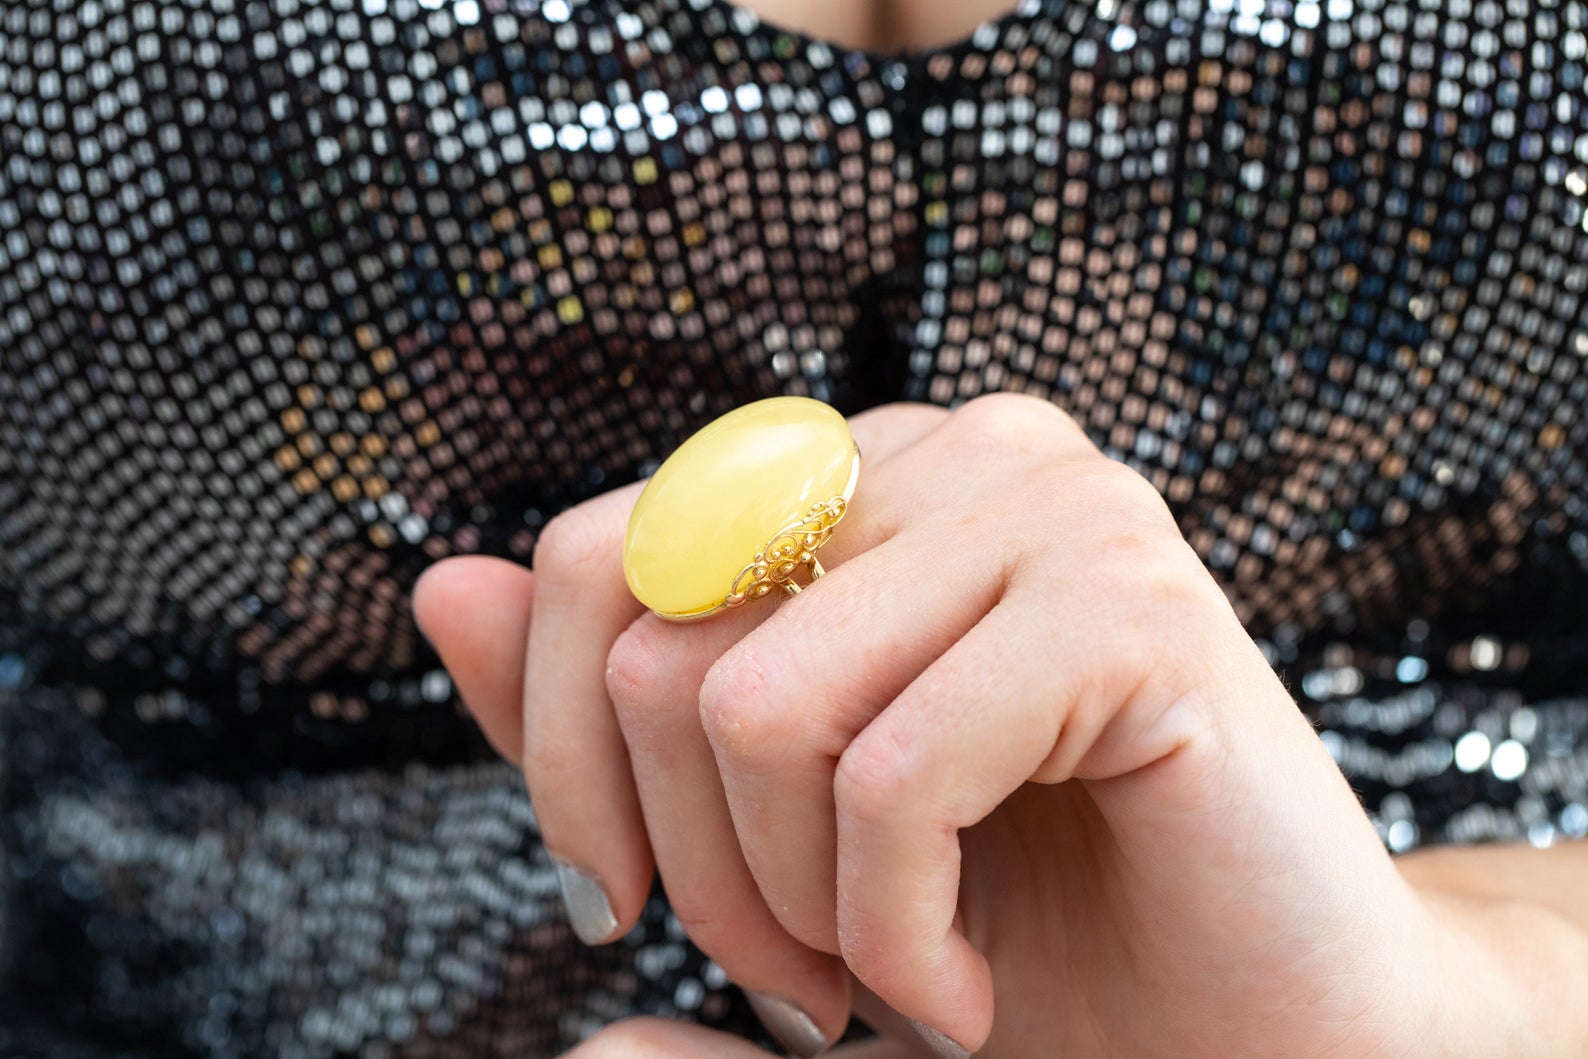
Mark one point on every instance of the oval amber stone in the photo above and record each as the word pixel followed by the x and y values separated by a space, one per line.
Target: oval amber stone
pixel 718 501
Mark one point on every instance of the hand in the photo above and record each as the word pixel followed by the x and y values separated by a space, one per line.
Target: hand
pixel 1015 744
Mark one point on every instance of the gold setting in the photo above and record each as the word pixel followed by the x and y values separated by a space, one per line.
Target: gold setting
pixel 791 548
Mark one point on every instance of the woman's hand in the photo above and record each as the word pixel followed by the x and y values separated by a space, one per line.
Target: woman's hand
pixel 1015 744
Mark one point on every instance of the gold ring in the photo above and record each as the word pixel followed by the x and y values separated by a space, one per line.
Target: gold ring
pixel 741 508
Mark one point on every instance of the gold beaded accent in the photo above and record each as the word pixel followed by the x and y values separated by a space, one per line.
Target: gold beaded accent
pixel 793 547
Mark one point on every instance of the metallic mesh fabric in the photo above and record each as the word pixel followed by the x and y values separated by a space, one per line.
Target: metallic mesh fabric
pixel 300 296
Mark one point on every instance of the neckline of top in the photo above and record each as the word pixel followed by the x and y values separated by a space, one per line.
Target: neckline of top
pixel 986 33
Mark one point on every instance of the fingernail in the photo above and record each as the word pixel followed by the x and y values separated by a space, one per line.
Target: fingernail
pixel 589 911
pixel 793 1028
pixel 939 1042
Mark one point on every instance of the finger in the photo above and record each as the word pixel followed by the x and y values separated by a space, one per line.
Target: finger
pixel 952 746
pixel 654 677
pixel 650 1038
pixel 780 706
pixel 575 761
pixel 647 1038
pixel 475 612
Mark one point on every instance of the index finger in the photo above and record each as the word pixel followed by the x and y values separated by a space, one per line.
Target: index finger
pixel 575 762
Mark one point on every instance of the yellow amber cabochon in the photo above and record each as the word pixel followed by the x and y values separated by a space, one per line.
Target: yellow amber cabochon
pixel 718 500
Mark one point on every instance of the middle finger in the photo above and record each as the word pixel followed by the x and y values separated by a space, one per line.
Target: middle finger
pixel 781 706
pixel 653 678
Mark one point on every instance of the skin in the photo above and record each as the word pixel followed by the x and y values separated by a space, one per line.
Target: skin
pixel 886 26
pixel 1013 766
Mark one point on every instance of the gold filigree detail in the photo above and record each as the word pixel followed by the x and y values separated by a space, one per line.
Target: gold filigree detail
pixel 791 549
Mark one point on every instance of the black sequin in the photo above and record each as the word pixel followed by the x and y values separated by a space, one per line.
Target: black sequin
pixel 300 296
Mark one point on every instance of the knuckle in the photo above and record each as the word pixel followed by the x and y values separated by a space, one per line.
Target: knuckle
pixel 741 711
pixel 1131 551
pixel 1177 581
pixel 874 773
pixel 1125 494
pixel 1155 578
pixel 1128 520
pixel 899 416
pixel 631 663
pixel 571 544
pixel 635 675
pixel 1148 579
pixel 1017 421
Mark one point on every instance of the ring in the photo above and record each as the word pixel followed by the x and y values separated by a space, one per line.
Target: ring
pixel 740 508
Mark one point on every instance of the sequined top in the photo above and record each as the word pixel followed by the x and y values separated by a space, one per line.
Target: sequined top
pixel 300 296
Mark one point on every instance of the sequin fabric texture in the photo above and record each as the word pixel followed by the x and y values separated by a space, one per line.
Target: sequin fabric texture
pixel 297 297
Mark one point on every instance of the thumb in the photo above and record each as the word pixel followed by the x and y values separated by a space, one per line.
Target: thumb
pixel 475 610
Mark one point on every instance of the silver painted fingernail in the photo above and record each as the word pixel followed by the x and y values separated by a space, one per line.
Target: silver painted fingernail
pixel 939 1042
pixel 793 1028
pixel 589 911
